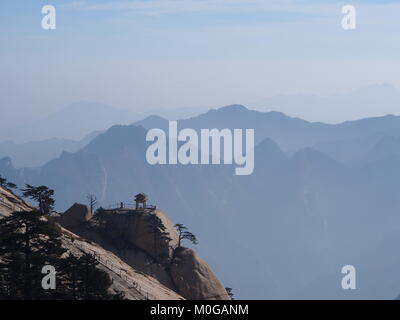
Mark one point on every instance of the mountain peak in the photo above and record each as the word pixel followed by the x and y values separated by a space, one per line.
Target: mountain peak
pixel 233 107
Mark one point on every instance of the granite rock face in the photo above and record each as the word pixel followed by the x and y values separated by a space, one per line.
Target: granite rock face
pixel 10 202
pixel 75 216
pixel 194 279
pixel 140 245
pixel 148 241
pixel 149 230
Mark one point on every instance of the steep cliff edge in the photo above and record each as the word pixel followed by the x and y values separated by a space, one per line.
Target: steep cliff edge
pixel 10 202
pixel 194 278
pixel 146 240
pixel 134 284
pixel 139 249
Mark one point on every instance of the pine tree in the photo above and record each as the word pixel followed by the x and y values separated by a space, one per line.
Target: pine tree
pixel 185 235
pixel 27 242
pixel 157 228
pixel 6 184
pixel 229 291
pixel 43 195
pixel 85 281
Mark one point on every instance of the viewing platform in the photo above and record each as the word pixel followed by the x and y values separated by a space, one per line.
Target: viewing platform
pixel 140 205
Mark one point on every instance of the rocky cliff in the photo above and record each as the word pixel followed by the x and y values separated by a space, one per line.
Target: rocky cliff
pixel 147 241
pixel 137 248
pixel 9 202
pixel 135 284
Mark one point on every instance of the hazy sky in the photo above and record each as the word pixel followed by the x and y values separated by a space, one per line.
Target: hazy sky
pixel 144 54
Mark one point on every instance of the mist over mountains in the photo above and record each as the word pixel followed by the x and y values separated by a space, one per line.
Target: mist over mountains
pixel 321 196
pixel 73 122
pixel 37 153
pixel 364 102
pixel 33 143
pixel 78 120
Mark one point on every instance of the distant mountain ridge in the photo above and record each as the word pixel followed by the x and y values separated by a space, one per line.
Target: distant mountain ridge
pixel 368 101
pixel 37 153
pixel 292 134
pixel 72 122
pixel 294 222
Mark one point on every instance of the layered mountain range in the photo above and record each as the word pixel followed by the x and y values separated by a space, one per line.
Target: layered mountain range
pixel 321 196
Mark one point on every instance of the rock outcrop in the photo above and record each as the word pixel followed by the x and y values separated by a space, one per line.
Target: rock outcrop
pixel 75 216
pixel 148 230
pixel 137 248
pixel 147 240
pixel 194 279
pixel 134 284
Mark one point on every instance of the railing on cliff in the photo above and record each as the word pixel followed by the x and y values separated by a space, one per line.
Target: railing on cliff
pixel 123 205
pixel 122 273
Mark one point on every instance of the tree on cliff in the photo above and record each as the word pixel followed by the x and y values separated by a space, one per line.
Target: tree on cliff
pixel 92 201
pixel 27 243
pixel 5 184
pixel 185 235
pixel 84 281
pixel 229 291
pixel 157 228
pixel 43 195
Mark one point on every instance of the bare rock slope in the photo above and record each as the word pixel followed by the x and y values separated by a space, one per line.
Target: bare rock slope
pixel 146 240
pixel 10 202
pixel 194 278
pixel 135 284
